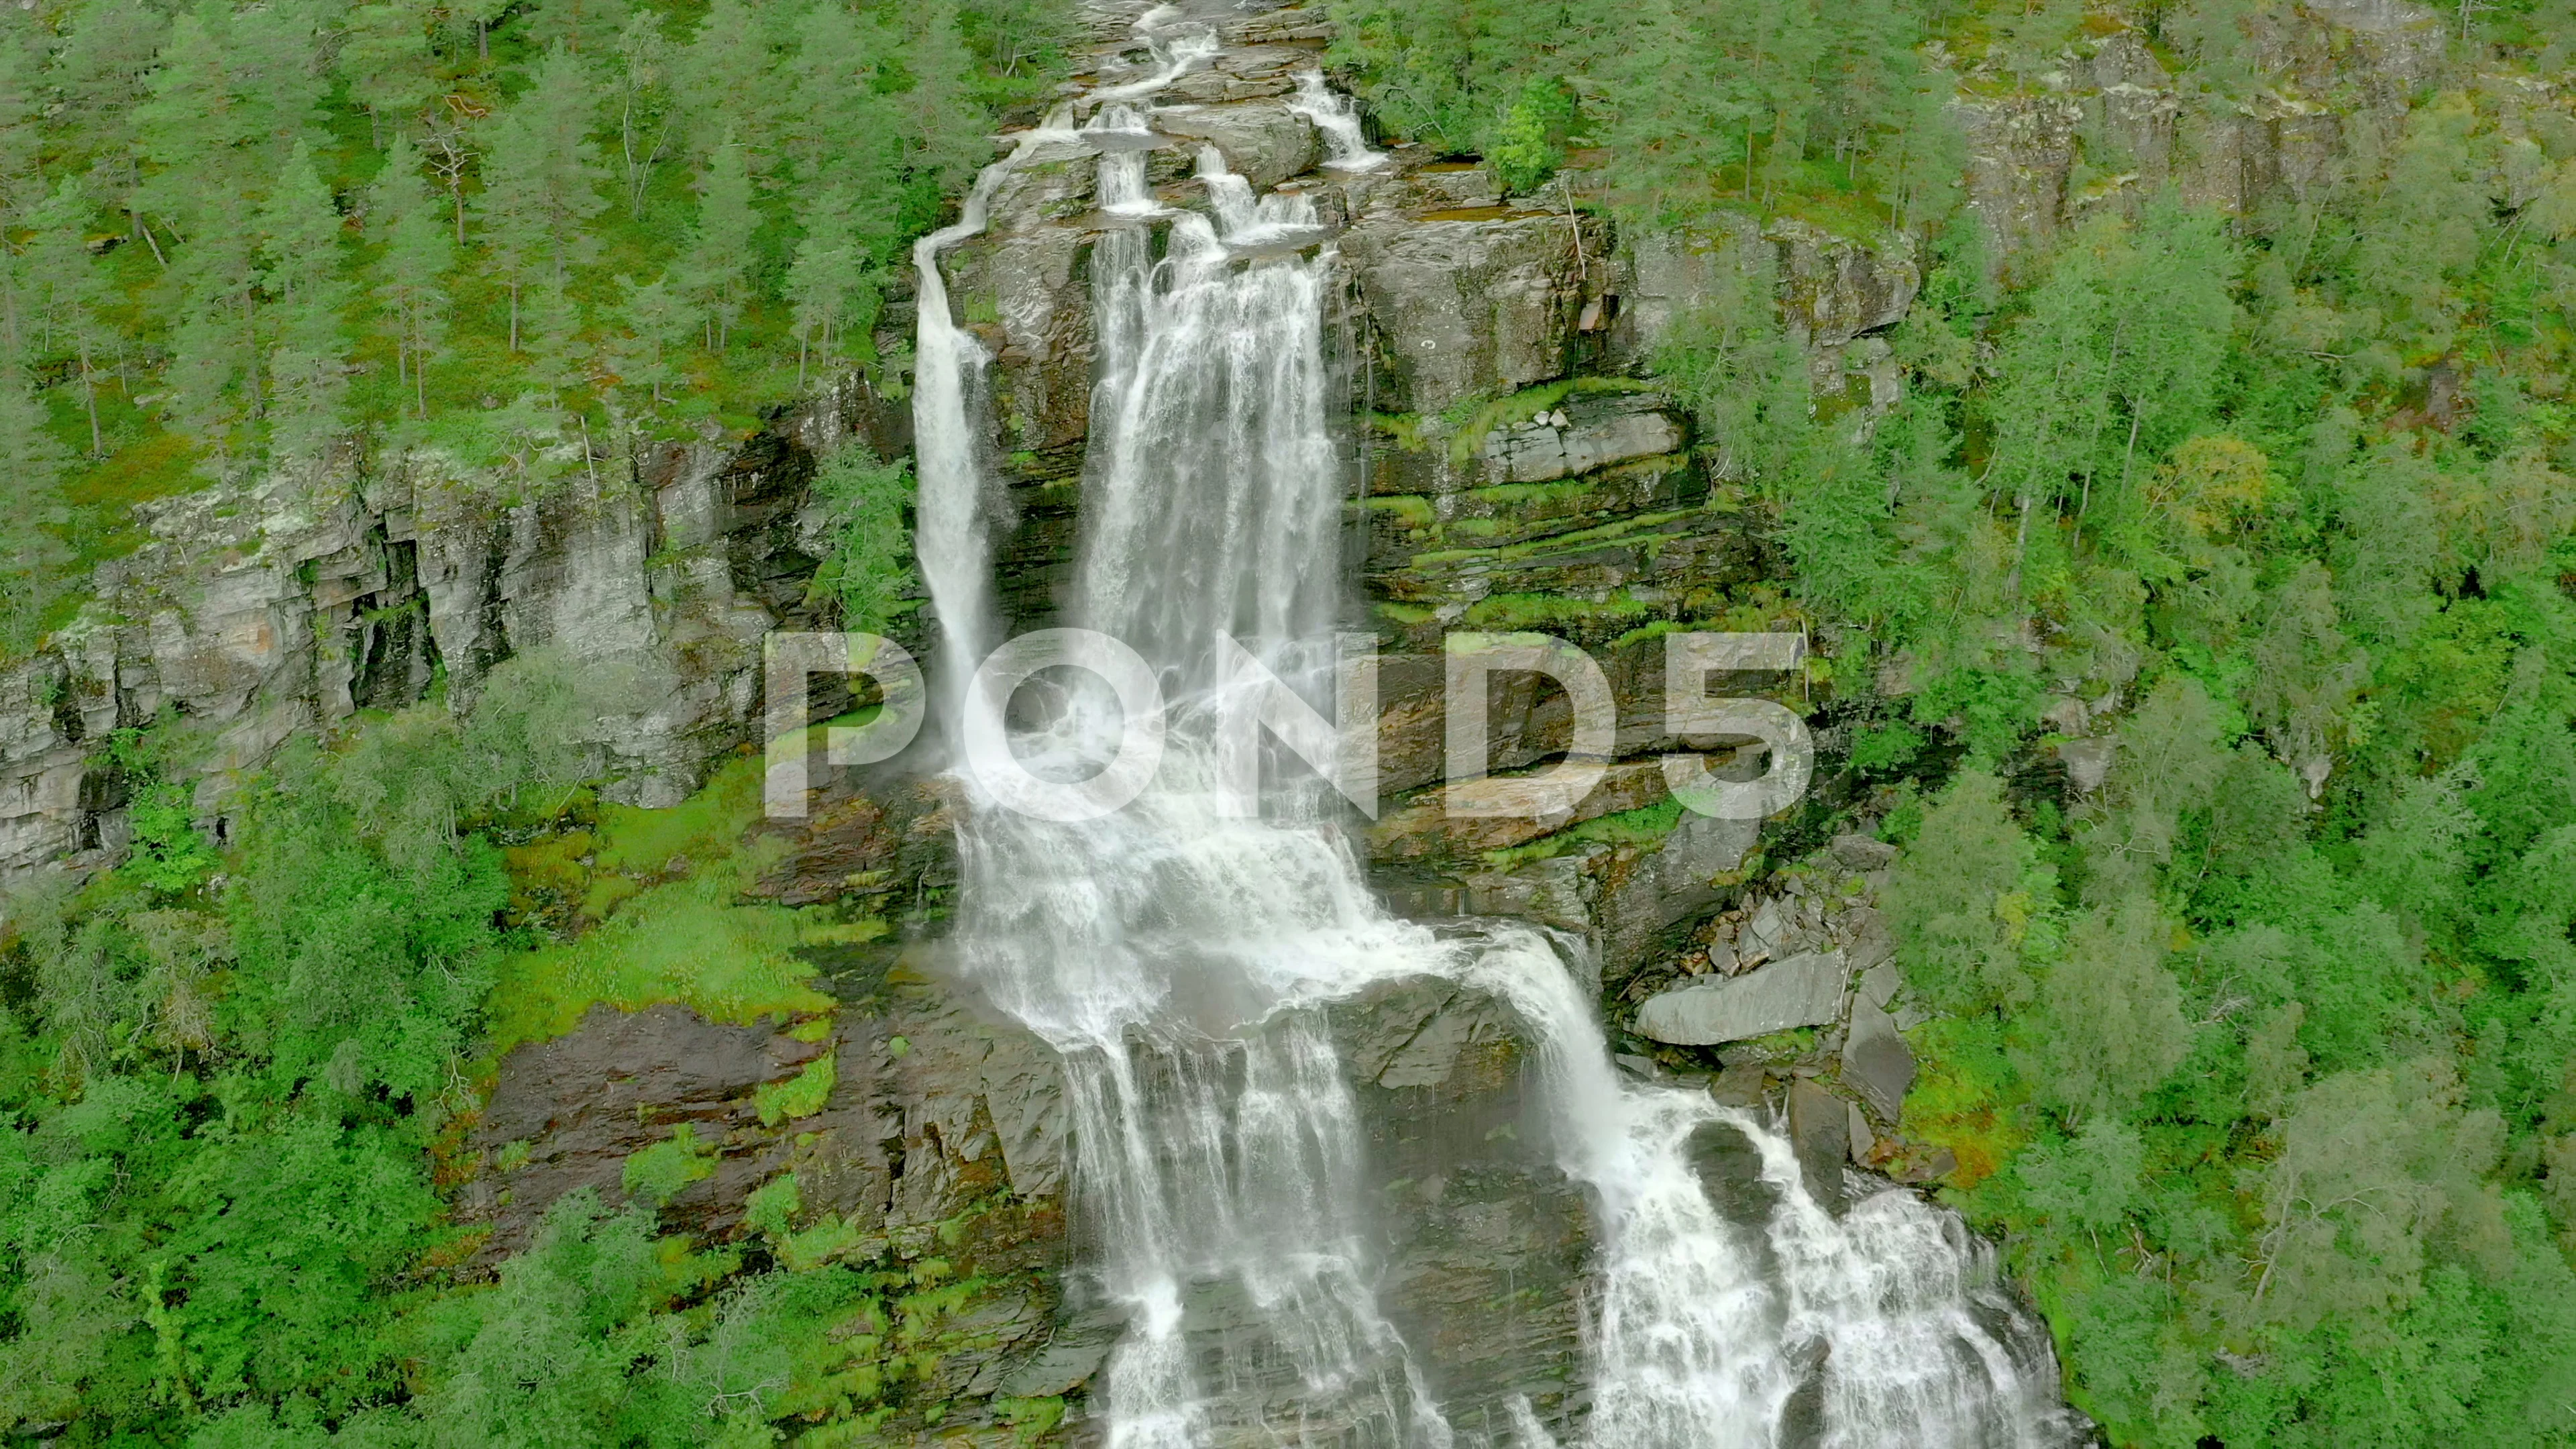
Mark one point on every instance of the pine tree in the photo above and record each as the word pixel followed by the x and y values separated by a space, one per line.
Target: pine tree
pixel 32 555
pixel 101 70
pixel 301 272
pixel 21 186
pixel 717 265
pixel 831 284
pixel 68 290
pixel 541 175
pixel 386 59
pixel 577 25
pixel 411 274
pixel 726 80
pixel 941 132
pixel 658 324
pixel 555 351
pixel 838 129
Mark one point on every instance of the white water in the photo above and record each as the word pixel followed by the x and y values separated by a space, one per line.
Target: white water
pixel 1182 960
pixel 1340 125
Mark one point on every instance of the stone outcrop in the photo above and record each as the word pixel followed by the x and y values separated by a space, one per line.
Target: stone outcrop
pixel 2310 71
pixel 257 610
pixel 1804 990
pixel 1486 1242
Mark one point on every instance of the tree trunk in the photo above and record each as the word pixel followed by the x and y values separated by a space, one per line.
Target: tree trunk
pixel 89 390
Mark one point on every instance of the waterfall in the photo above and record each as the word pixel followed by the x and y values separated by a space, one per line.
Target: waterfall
pixel 1340 125
pixel 954 478
pixel 1182 960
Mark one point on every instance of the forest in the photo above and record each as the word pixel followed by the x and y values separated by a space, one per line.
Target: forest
pixel 2259 1060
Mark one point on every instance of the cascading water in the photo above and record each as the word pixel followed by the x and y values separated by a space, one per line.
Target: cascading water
pixel 1181 959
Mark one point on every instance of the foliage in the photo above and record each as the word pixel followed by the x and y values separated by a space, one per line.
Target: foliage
pixel 2273 506
pixel 243 236
pixel 868 573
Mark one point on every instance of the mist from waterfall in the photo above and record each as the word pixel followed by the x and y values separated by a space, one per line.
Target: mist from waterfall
pixel 1181 960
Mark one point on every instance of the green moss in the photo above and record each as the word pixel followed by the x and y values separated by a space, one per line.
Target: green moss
pixel 660 1171
pixel 710 825
pixel 1616 529
pixel 1409 509
pixel 1404 428
pixel 1476 419
pixel 1646 825
pixel 771 1208
pixel 687 942
pixel 802 1095
pixel 1540 612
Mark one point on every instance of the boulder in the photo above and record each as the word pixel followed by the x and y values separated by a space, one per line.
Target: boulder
pixel 1876 1061
pixel 1506 810
pixel 1805 990
pixel 1586 434
pixel 1820 1133
pixel 1466 304
pixel 1859 852
pixel 1263 142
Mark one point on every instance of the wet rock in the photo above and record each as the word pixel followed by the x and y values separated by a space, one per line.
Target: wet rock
pixel 1486 1242
pixel 1263 141
pixel 967 1109
pixel 1506 812
pixel 1876 1061
pixel 1804 990
pixel 1646 894
pixel 1820 1132
pixel 1073 1353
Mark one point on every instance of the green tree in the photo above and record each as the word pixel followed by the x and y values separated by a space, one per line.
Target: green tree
pixel 1962 905
pixel 32 553
pixel 411 271
pixel 70 292
pixel 541 175
pixel 658 325
pixel 718 262
pixel 301 269
pixel 386 61
pixel 831 284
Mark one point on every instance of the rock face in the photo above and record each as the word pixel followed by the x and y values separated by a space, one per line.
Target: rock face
pixel 2314 68
pixel 941 1136
pixel 1467 302
pixel 1486 1242
pixel 258 610
pixel 1800 991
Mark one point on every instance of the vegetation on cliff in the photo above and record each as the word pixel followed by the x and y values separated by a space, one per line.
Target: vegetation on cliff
pixel 523 234
pixel 2262 1055
pixel 2259 1053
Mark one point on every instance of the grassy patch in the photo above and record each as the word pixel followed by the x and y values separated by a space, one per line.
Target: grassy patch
pixel 1966 1097
pixel 1539 612
pixel 1646 825
pixel 801 1095
pixel 660 918
pixel 660 1171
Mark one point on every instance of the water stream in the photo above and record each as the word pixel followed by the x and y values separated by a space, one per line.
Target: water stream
pixel 1182 960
